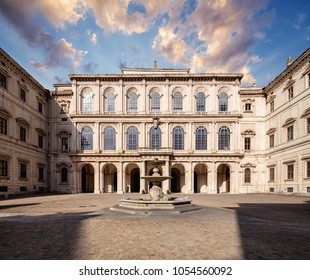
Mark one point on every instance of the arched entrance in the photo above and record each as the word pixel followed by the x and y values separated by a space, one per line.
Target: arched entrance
pixel 223 179
pixel 135 180
pixel 178 178
pixel 87 178
pixel 110 178
pixel 200 178
pixel 132 180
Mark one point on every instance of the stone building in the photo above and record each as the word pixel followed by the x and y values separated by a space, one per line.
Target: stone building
pixel 23 130
pixel 210 134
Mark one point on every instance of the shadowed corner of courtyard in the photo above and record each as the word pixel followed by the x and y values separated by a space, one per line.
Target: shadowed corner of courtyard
pixel 272 231
pixel 41 237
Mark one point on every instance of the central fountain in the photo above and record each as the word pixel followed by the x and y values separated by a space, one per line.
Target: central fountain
pixel 155 200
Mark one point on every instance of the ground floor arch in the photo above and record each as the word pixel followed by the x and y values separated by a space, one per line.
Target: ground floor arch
pixel 132 180
pixel 109 178
pixel 177 178
pixel 223 179
pixel 200 178
pixel 87 178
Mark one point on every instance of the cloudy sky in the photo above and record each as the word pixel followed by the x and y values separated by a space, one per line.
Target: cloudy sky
pixel 54 38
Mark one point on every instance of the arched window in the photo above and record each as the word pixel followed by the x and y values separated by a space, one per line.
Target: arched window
pixel 87 138
pixel 132 102
pixel 132 138
pixel 224 138
pixel 87 100
pixel 247 175
pixel 109 102
pixel 201 138
pixel 155 138
pixel 177 102
pixel 64 175
pixel 155 101
pixel 178 138
pixel 201 102
pixel 109 138
pixel 223 102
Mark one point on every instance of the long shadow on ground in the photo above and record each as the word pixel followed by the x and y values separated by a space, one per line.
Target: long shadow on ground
pixel 275 231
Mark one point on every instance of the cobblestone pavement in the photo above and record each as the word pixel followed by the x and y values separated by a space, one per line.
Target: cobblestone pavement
pixel 81 226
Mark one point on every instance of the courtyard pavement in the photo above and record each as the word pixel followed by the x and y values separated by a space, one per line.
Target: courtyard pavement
pixel 81 226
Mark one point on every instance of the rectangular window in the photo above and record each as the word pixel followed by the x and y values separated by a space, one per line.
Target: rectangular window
pixel 247 143
pixel 63 108
pixel 271 140
pixel 272 106
pixel 41 173
pixel 248 106
pixel 290 93
pixel 3 81
pixel 23 170
pixel 23 95
pixel 308 169
pixel 290 133
pixel 271 174
pixel 308 125
pixel 3 126
pixel 64 144
pixel 40 107
pixel 22 134
pixel 290 172
pixel 3 168
pixel 40 141
pixel 308 80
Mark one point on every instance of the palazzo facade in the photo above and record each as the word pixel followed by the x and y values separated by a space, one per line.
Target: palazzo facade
pixel 103 131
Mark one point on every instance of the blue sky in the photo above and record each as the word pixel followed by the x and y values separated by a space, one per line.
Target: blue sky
pixel 52 39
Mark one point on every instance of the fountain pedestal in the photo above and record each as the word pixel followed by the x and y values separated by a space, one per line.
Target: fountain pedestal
pixel 155 200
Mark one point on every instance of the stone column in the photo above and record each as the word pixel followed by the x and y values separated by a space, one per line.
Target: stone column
pixel 142 181
pixel 167 134
pixel 97 177
pixel 189 179
pixel 166 184
pixel 212 178
pixel 120 179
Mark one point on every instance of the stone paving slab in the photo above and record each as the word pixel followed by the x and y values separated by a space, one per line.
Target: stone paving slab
pixel 81 226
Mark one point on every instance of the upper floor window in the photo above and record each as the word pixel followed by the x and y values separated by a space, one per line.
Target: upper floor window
pixel 109 102
pixel 132 102
pixel 155 138
pixel 247 143
pixel 178 101
pixel 201 102
pixel 308 125
pixel 290 133
pixel 201 138
pixel 23 95
pixel 308 80
pixel 247 175
pixel 41 173
pixel 40 141
pixel 87 100
pixel 224 138
pixel 64 144
pixel 271 106
pixel 22 133
pixel 308 169
pixel 248 107
pixel 63 108
pixel 3 81
pixel 3 126
pixel 40 107
pixel 87 138
pixel 290 91
pixel 109 138
pixel 132 138
pixel 155 102
pixel 3 168
pixel 223 102
pixel 178 138
pixel 271 140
